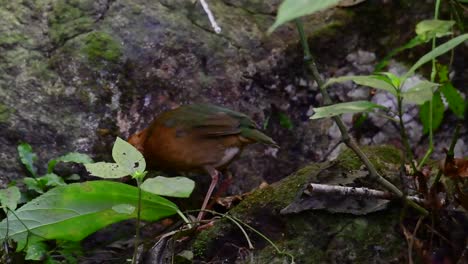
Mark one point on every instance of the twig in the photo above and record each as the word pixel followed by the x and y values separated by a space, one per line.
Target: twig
pixel 309 60
pixel 357 191
pixel 411 241
pixel 208 12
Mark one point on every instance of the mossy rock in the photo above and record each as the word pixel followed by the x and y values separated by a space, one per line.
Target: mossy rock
pixel 310 236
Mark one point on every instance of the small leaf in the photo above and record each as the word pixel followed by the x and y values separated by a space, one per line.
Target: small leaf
pixel 447 46
pixel 107 170
pixel 420 93
pixel 28 157
pixel 10 197
pixel 52 180
pixel 285 121
pixel 74 211
pixel 36 251
pixel 370 81
pixel 428 29
pixel 390 78
pixel 172 187
pixel 292 9
pixel 127 156
pixel 455 101
pixel 343 108
pixel 124 208
pixel 33 184
pixel 438 109
pixel 69 157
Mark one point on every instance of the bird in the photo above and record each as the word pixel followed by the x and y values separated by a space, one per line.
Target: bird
pixel 197 138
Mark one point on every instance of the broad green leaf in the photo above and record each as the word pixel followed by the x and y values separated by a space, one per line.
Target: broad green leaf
pixel 36 251
pixel 454 99
pixel 172 186
pixel 10 197
pixel 428 29
pixel 371 81
pixel 124 208
pixel 74 211
pixel 447 46
pixel 343 108
pixel 107 170
pixel 438 109
pixel 28 157
pixel 420 93
pixel 127 156
pixel 292 9
pixel 70 157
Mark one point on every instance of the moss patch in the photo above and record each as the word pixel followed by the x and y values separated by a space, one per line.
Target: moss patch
pixel 5 113
pixel 101 47
pixel 69 19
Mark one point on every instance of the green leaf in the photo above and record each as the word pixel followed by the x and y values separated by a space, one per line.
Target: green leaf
pixel 391 79
pixel 27 157
pixel 454 99
pixel 173 186
pixel 10 197
pixel 371 81
pixel 33 184
pixel 70 157
pixel 292 9
pixel 107 170
pixel 343 108
pixel 447 46
pixel 74 211
pixel 36 251
pixel 127 156
pixel 39 184
pixel 420 93
pixel 124 208
pixel 428 29
pixel 285 121
pixel 437 113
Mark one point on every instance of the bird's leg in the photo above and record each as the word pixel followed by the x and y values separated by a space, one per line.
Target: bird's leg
pixel 224 185
pixel 214 180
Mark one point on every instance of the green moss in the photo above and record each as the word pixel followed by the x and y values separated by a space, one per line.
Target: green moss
pixel 68 20
pixel 380 156
pixel 5 113
pixel 11 38
pixel 100 46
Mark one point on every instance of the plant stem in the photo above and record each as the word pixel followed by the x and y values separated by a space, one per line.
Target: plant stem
pixel 137 233
pixel 404 136
pixel 433 74
pixel 309 60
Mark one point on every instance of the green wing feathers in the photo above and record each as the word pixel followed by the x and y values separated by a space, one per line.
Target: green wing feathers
pixel 256 135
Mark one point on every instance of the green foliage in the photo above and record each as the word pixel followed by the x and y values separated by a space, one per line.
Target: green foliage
pixel 74 211
pixel 45 182
pixel 70 157
pixel 434 28
pixel 36 251
pixel 420 93
pixel 9 198
pixel 27 157
pixel 454 99
pixel 438 109
pixel 285 121
pixel 342 108
pixel 373 81
pixel 128 161
pixel 292 9
pixel 447 46
pixel 173 187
